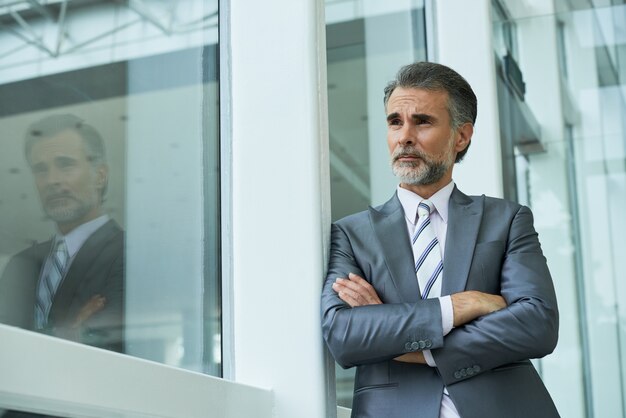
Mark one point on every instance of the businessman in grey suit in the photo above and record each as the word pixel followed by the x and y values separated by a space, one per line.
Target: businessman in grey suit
pixel 80 298
pixel 439 299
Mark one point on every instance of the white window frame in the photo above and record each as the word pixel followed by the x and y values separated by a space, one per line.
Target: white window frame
pixel 273 114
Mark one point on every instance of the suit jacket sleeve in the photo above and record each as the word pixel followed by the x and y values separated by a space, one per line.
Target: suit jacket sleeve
pixel 18 286
pixel 526 328
pixel 373 333
pixel 105 329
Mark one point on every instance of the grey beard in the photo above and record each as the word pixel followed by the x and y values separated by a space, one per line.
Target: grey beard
pixel 64 215
pixel 431 172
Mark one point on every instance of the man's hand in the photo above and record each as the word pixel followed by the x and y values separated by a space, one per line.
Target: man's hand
pixel 93 305
pixel 356 291
pixel 416 357
pixel 472 304
pixel 467 306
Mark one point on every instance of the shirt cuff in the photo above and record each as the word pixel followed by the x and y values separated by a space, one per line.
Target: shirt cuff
pixel 428 356
pixel 447 323
pixel 447 314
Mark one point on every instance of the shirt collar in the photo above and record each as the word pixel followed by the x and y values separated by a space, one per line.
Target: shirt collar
pixel 440 199
pixel 77 236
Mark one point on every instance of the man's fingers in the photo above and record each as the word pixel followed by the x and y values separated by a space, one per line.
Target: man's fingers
pixel 497 302
pixel 358 290
pixel 349 296
pixel 95 304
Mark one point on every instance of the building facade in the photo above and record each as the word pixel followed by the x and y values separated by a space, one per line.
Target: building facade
pixel 237 131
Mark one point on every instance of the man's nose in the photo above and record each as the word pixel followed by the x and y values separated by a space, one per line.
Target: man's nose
pixel 407 135
pixel 53 176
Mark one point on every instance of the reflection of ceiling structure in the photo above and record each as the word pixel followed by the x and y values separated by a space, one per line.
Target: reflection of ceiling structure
pixel 57 27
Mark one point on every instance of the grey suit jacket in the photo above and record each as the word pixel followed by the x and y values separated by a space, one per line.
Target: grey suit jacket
pixel 97 269
pixel 491 246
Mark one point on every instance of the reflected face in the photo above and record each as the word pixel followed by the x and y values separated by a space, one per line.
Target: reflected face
pixel 422 143
pixel 68 183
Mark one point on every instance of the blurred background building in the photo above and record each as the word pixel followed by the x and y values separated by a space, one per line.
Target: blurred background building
pixel 237 130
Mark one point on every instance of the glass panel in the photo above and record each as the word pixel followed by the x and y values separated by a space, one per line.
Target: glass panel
pixel 573 63
pixel 109 197
pixel 21 414
pixel 367 42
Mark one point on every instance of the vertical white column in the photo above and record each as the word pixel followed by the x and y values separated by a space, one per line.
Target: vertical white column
pixel 464 40
pixel 279 200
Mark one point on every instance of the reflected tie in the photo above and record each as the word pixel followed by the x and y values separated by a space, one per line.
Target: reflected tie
pixel 49 283
pixel 426 252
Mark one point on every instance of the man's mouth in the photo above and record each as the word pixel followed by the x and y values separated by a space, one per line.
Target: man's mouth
pixel 55 199
pixel 407 157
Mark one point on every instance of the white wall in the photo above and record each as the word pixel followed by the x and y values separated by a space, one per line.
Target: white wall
pixel 280 216
pixel 49 375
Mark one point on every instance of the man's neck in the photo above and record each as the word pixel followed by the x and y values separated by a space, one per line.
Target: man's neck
pixel 66 228
pixel 426 191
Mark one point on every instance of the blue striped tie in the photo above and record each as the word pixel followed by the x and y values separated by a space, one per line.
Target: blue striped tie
pixel 54 269
pixel 426 252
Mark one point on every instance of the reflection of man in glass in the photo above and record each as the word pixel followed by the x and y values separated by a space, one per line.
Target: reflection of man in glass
pixel 72 285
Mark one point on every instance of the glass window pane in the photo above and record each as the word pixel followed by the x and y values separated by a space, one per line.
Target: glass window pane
pixel 109 207
pixel 367 42
pixel 573 67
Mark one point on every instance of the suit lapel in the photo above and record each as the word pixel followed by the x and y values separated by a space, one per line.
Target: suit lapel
pixel 390 228
pixel 464 217
pixel 83 261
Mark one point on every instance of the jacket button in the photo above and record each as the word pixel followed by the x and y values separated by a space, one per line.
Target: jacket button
pixel 428 343
pixel 463 372
pixel 470 371
pixel 407 346
pixel 457 375
pixel 415 345
pixel 422 345
pixel 476 368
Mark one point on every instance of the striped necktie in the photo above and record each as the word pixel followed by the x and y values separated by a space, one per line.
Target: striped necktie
pixel 426 252
pixel 53 272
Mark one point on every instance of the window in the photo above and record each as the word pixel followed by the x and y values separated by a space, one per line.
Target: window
pixel 110 144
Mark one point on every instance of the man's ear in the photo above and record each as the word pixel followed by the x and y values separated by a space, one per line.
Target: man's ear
pixel 463 137
pixel 102 177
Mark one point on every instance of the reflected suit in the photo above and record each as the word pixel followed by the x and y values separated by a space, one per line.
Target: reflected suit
pixel 492 247
pixel 97 269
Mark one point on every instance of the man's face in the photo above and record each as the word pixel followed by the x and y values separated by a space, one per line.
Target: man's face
pixel 69 186
pixel 422 143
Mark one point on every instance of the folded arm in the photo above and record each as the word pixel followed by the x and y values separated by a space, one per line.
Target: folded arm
pixel 373 332
pixel 527 328
pixel 491 330
pixel 466 306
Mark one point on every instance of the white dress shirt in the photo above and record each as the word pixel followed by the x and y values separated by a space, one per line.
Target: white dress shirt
pixel 439 221
pixel 75 239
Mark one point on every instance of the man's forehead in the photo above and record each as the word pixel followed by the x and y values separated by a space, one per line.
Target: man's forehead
pixel 417 100
pixel 67 142
pixel 415 94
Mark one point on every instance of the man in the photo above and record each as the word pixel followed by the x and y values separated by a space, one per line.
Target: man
pixel 70 286
pixel 439 299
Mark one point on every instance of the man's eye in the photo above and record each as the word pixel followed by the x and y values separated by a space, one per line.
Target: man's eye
pixel 394 122
pixel 39 168
pixel 66 163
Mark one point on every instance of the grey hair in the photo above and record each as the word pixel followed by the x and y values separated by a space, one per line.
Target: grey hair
pixel 462 102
